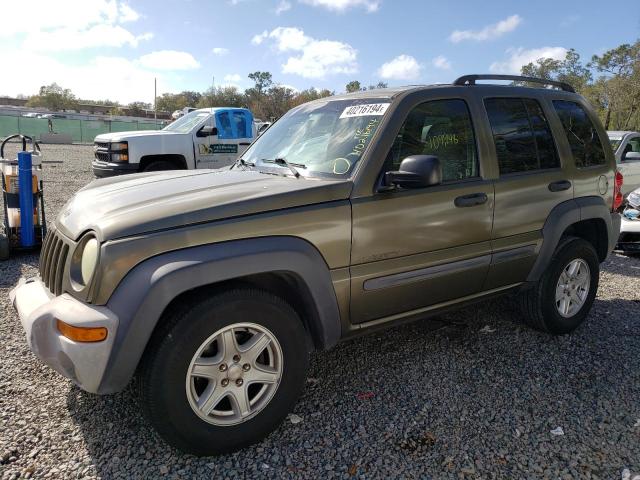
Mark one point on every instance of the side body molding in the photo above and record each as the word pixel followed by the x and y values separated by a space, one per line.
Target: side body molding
pixel 564 215
pixel 148 288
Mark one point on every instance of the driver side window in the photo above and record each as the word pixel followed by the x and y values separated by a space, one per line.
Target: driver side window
pixel 442 128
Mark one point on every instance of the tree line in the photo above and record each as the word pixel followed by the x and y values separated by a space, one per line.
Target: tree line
pixel 610 81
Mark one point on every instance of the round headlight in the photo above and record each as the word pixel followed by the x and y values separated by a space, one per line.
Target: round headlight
pixel 84 262
pixel 89 260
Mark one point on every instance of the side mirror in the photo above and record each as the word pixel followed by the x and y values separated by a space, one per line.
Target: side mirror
pixel 416 171
pixel 207 131
pixel 631 157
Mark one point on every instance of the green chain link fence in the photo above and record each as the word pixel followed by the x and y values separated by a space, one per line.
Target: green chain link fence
pixel 81 131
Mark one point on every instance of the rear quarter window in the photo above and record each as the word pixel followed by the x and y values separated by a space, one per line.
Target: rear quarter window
pixel 581 134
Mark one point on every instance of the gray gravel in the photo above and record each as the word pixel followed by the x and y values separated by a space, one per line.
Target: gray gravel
pixel 472 394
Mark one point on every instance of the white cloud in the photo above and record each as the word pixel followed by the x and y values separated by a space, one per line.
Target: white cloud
pixel 169 60
pixel 403 67
pixel 126 82
pixel 64 25
pixel 220 51
pixel 283 6
pixel 489 32
pixel 441 62
pixel 520 56
pixel 62 39
pixel 342 5
pixel 312 58
pixel 260 37
pixel 233 78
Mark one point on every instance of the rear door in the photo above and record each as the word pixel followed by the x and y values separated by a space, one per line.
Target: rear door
pixel 531 182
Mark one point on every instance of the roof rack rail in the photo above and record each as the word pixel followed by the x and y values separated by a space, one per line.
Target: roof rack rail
pixel 471 80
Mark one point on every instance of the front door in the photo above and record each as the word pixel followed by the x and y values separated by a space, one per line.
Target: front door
pixel 413 248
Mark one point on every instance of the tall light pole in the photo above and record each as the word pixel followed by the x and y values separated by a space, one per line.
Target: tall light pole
pixel 155 101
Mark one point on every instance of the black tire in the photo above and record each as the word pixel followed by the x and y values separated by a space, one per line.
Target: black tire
pixel 163 371
pixel 4 247
pixel 160 165
pixel 539 303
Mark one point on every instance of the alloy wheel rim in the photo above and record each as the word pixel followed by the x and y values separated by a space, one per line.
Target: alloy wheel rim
pixel 234 374
pixel 572 288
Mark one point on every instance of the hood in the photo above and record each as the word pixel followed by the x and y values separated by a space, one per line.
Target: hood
pixel 121 136
pixel 122 206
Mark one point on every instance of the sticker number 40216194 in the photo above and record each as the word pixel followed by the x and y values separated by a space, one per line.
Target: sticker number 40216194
pixel 365 110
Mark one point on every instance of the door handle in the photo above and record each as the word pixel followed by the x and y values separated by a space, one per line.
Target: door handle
pixel 559 186
pixel 244 144
pixel 471 200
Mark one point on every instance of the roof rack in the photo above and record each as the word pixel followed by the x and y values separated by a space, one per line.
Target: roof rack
pixel 471 80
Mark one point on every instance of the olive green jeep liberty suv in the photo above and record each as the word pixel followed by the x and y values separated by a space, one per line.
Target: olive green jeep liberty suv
pixel 350 213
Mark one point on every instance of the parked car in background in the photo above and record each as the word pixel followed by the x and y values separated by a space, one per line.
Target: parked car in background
pixel 626 146
pixel 629 241
pixel 350 213
pixel 180 113
pixel 204 138
pixel 52 116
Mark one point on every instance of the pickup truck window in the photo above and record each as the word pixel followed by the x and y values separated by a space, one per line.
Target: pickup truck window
pixel 582 135
pixel 521 135
pixel 321 138
pixel 185 124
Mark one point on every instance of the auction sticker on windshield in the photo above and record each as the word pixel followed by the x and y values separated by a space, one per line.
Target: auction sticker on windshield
pixel 365 110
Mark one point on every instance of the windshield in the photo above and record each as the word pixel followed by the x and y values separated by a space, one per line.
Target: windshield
pixel 325 139
pixel 615 142
pixel 186 123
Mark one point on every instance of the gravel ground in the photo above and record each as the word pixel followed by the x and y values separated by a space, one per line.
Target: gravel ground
pixel 472 394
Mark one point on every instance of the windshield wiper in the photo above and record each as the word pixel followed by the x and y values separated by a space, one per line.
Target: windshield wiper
pixel 244 163
pixel 289 165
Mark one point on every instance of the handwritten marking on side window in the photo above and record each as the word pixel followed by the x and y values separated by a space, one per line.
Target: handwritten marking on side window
pixel 444 140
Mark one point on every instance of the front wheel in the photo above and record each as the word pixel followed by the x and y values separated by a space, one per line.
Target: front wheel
pixel 560 301
pixel 222 372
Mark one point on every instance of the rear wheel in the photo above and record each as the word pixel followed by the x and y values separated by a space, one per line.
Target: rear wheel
pixel 560 301
pixel 159 165
pixel 224 371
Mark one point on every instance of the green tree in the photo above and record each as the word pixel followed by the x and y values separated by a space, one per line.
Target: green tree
pixel 222 97
pixel 353 86
pixel 570 70
pixel 137 109
pixel 54 97
pixel 619 88
pixel 262 80
pixel 378 85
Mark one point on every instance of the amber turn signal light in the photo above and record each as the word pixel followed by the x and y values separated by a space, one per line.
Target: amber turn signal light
pixel 81 334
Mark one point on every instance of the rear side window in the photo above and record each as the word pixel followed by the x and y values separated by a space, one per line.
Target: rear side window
pixel 581 134
pixel 521 135
pixel 234 124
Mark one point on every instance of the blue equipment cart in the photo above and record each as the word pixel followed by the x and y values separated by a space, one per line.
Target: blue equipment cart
pixel 24 220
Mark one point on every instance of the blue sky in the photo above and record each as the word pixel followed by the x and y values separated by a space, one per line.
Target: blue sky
pixel 115 48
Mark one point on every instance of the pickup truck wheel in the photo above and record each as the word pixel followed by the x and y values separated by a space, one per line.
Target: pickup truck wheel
pixel 160 165
pixel 224 371
pixel 560 301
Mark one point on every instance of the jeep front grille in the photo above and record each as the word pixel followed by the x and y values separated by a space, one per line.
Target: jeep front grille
pixel 53 259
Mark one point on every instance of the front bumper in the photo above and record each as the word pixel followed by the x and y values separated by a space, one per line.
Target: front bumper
pixel 109 169
pixel 38 309
pixel 629 241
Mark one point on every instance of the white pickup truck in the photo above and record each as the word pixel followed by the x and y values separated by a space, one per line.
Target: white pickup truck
pixel 204 138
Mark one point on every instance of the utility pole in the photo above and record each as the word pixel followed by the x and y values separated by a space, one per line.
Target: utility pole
pixel 155 101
